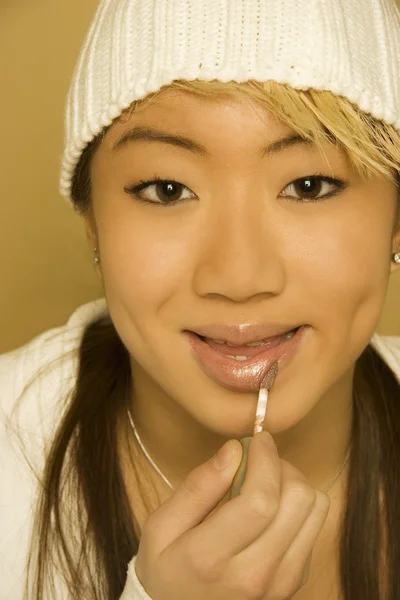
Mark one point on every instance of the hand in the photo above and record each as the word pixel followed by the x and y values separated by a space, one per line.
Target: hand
pixel 257 546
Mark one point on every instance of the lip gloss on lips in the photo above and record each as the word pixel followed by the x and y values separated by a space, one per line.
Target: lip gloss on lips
pixel 266 385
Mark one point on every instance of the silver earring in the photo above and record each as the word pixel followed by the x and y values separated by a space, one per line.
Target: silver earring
pixel 396 258
pixel 96 259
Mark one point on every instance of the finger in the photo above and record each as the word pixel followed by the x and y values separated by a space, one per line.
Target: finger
pixel 268 564
pixel 296 562
pixel 193 500
pixel 242 520
pixel 297 504
pixel 264 468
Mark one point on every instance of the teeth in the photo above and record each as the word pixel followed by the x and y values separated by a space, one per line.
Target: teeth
pixel 287 336
pixel 252 345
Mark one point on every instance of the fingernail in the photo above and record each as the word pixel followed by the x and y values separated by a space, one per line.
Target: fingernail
pixel 223 457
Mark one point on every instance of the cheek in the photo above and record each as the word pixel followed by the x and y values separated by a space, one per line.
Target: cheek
pixel 344 259
pixel 144 257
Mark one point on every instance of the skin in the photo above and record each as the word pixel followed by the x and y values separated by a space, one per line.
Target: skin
pixel 239 251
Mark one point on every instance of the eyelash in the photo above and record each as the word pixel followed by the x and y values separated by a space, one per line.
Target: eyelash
pixel 135 190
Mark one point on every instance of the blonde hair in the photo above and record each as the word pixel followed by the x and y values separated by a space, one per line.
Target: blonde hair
pixel 373 147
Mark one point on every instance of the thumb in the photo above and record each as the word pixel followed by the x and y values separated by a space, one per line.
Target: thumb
pixel 196 497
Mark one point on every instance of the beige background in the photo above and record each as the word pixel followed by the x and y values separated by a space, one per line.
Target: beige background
pixel 45 264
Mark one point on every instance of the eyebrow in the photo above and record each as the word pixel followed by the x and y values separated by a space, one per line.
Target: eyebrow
pixel 150 134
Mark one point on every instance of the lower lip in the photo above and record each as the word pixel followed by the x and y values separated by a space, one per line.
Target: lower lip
pixel 246 375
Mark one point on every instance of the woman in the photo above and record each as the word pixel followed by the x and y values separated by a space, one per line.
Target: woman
pixel 237 168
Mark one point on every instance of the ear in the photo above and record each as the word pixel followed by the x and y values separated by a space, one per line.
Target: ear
pixel 394 267
pixel 395 250
pixel 396 232
pixel 91 231
pixel 92 237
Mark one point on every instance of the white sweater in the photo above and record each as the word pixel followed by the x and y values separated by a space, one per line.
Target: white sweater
pixel 37 419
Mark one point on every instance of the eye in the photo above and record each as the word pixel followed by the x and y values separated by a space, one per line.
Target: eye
pixel 310 189
pixel 160 191
pixel 167 192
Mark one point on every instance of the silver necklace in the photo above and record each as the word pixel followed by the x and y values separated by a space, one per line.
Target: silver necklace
pixel 169 484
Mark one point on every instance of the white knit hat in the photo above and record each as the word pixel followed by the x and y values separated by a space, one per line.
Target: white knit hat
pixel 134 47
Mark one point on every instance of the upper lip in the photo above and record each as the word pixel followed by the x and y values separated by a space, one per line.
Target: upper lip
pixel 244 333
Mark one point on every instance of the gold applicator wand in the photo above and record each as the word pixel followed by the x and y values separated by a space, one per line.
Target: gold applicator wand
pixel 266 385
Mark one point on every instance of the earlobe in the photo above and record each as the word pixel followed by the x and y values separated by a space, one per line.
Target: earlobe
pixel 395 264
pixel 96 258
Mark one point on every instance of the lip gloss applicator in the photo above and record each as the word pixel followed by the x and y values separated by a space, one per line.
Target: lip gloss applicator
pixel 266 385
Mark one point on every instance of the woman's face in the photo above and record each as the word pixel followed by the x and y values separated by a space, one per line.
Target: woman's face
pixel 240 245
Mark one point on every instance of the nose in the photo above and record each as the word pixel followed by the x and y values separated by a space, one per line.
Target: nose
pixel 239 253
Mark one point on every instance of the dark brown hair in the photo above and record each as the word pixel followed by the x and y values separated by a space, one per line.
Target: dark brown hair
pixel 83 460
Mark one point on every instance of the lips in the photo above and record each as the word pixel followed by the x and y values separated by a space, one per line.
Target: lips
pixel 247 375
